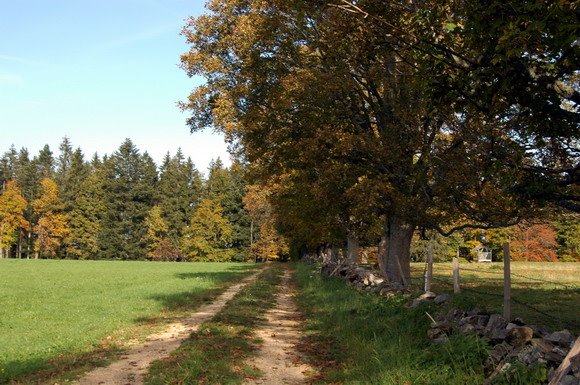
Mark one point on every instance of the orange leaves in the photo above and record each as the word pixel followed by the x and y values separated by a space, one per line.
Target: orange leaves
pixel 52 224
pixel 534 243
pixel 12 206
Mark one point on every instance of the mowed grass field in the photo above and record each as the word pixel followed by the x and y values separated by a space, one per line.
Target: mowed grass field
pixel 543 293
pixel 50 309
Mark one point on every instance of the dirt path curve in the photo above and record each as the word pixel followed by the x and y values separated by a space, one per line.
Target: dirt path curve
pixel 129 370
pixel 278 358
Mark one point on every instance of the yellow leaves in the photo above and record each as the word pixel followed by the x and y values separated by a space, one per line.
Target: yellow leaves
pixel 209 234
pixel 52 224
pixel 269 244
pixel 12 206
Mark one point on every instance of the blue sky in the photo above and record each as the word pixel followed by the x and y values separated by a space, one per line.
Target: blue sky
pixel 98 71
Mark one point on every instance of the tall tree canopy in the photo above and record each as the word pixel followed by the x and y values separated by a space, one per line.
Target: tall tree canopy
pixel 413 112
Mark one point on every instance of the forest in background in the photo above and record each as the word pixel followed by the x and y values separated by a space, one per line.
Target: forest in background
pixel 120 206
pixel 124 206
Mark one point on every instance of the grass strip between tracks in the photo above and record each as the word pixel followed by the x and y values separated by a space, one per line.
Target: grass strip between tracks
pixel 215 354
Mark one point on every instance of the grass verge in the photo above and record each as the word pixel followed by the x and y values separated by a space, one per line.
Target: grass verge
pixel 360 338
pixel 551 290
pixel 59 318
pixel 215 354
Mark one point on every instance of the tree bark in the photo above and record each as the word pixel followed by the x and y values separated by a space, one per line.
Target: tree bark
pixel 395 251
pixel 352 247
pixel 334 257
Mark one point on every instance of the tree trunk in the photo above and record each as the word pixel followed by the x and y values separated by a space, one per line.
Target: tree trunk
pixel 28 242
pixel 395 251
pixel 333 254
pixel 352 247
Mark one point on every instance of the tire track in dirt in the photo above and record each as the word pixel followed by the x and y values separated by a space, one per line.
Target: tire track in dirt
pixel 133 365
pixel 278 358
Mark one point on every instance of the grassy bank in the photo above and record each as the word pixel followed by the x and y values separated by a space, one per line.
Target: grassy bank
pixel 360 338
pixel 215 354
pixel 58 315
pixel 543 293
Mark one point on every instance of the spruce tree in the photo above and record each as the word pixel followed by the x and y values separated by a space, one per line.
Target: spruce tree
pixel 44 162
pixel 8 167
pixel 227 187
pixel 180 188
pixel 129 183
pixel 85 218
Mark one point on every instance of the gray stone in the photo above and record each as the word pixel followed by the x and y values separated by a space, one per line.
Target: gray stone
pixel 498 335
pixel 386 292
pixel 494 324
pixel 470 319
pixel 454 315
pixel 427 295
pixel 540 331
pixel 434 333
pixel 442 339
pixel 569 380
pixel 481 321
pixel 510 326
pixel 442 298
pixel 576 366
pixel 543 345
pixel 417 301
pixel 496 355
pixel 529 355
pixel 467 328
pixel 474 311
pixel 561 351
pixel 563 338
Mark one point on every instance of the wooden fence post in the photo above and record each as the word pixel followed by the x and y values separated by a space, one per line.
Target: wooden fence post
pixel 507 292
pixel 456 287
pixel 429 272
pixel 566 364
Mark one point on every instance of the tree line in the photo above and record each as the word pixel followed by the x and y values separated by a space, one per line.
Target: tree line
pixel 121 206
pixel 373 122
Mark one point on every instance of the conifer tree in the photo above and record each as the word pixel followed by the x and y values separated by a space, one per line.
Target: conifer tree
pixel 29 181
pixel 8 166
pixel 12 221
pixel 180 189
pixel 129 184
pixel 44 162
pixel 85 219
pixel 227 187
pixel 71 170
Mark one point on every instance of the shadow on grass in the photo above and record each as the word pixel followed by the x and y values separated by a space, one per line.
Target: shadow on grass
pixel 357 337
pixel 175 306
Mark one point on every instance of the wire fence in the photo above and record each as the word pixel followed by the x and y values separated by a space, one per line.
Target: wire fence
pixel 524 285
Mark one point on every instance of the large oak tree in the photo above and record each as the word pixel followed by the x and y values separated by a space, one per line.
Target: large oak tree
pixel 391 105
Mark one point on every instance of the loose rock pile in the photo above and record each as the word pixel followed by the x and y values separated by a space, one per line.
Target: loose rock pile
pixel 512 342
pixel 362 278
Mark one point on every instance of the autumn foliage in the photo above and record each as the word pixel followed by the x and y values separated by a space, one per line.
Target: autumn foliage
pixel 12 221
pixel 534 243
pixel 52 226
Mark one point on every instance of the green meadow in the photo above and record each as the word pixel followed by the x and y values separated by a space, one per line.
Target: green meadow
pixel 50 309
